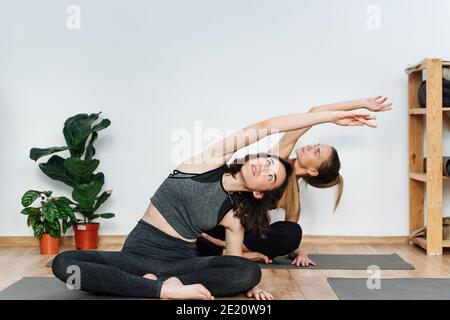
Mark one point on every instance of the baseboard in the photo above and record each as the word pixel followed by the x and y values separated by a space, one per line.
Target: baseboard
pixel 68 241
pixel 105 240
pixel 343 240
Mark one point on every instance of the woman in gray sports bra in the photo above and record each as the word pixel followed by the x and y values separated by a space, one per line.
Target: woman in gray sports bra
pixel 159 258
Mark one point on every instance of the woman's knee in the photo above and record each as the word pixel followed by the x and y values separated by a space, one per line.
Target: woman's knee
pixel 252 275
pixel 248 274
pixel 293 234
pixel 62 262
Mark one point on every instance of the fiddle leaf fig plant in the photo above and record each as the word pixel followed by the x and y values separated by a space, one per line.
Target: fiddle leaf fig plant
pixel 52 213
pixel 77 171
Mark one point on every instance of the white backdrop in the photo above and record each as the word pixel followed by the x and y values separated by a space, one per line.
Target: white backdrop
pixel 154 67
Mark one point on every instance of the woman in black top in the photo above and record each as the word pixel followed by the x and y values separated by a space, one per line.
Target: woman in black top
pixel 318 165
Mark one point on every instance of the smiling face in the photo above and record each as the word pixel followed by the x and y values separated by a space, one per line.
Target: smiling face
pixel 313 156
pixel 263 174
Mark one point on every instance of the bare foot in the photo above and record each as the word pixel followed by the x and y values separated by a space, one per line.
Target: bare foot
pixel 173 288
pixel 150 276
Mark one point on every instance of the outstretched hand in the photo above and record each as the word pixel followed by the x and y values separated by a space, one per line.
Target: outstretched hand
pixel 377 104
pixel 260 294
pixel 257 257
pixel 352 118
pixel 302 260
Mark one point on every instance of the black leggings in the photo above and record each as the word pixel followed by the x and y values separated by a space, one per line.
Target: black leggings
pixel 149 250
pixel 281 238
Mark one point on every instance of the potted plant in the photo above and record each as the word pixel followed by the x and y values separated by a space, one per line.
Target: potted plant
pixel 46 220
pixel 77 172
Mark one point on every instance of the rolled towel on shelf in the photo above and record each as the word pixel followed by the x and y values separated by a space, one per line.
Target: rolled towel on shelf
pixel 445 165
pixel 445 93
pixel 446 73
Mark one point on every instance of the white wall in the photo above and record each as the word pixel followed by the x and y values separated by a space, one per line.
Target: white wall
pixel 156 66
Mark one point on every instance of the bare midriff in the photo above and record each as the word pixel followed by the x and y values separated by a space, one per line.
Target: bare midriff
pixel 155 218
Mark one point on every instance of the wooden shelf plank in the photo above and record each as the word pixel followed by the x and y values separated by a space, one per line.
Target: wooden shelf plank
pixel 422 65
pixel 416 128
pixel 422 176
pixel 424 110
pixel 421 242
pixel 431 179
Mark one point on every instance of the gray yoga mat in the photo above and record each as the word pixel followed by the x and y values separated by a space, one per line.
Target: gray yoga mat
pixel 338 262
pixel 39 288
pixel 344 262
pixel 392 289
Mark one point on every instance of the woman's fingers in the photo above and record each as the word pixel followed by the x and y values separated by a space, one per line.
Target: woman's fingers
pixel 265 258
pixel 369 124
pixel 381 100
pixel 386 107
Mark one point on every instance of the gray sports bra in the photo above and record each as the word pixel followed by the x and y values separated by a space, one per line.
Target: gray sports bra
pixel 193 203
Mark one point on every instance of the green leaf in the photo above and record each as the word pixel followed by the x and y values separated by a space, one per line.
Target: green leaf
pixel 55 229
pixel 65 226
pixel 36 153
pixel 103 197
pixel 90 150
pixel 29 197
pixel 107 215
pixel 48 193
pixel 31 220
pixel 81 169
pixel 104 215
pixel 54 169
pixel 66 200
pixel 54 233
pixel 85 194
pixel 38 230
pixel 105 123
pixel 31 211
pixel 65 211
pixel 50 211
pixel 76 131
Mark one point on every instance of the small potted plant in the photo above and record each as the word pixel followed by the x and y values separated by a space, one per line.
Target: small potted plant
pixel 78 172
pixel 46 220
pixel 85 229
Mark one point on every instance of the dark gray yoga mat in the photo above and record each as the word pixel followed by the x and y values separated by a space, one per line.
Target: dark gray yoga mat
pixel 392 289
pixel 344 262
pixel 338 261
pixel 38 288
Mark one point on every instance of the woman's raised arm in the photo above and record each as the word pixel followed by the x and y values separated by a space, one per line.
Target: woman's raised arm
pixel 287 143
pixel 218 153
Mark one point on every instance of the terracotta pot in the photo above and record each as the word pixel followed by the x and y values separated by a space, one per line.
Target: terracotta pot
pixel 49 244
pixel 86 235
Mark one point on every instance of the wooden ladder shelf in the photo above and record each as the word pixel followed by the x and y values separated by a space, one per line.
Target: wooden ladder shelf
pixel 432 178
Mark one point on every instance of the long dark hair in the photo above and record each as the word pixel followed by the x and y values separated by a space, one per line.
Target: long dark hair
pixel 254 213
pixel 328 176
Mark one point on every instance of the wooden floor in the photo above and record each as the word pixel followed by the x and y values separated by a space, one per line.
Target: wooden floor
pixel 18 262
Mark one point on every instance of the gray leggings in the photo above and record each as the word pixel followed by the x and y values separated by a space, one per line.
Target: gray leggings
pixel 149 250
